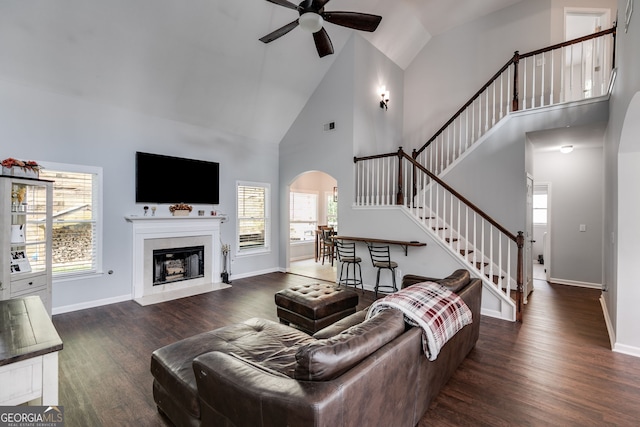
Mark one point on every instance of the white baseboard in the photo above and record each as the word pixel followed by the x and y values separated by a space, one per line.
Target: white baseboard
pixel 608 322
pixel 255 273
pixel 617 347
pixel 626 349
pixel 492 313
pixel 575 283
pixel 91 304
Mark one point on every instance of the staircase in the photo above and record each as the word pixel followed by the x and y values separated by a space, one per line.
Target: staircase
pixel 566 72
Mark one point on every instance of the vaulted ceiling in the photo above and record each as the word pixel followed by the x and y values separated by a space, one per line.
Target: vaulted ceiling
pixel 200 61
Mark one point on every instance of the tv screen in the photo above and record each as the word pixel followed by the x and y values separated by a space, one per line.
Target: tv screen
pixel 166 179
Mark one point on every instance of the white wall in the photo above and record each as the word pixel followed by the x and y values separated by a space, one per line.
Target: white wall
pixel 40 125
pixel 621 211
pixel 454 65
pixel 347 95
pixel 577 198
pixel 349 91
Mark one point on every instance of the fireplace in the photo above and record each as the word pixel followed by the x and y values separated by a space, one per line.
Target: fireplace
pixel 177 264
pixel 175 257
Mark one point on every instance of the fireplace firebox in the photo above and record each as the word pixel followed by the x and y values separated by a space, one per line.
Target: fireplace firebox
pixel 177 264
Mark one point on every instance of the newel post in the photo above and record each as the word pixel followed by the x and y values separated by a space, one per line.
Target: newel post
pixel 400 195
pixel 520 276
pixel 515 104
pixel 414 156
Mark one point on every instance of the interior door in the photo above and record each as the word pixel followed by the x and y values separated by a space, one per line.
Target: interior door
pixel 528 242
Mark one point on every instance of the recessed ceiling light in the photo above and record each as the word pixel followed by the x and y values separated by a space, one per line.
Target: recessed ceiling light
pixel 566 149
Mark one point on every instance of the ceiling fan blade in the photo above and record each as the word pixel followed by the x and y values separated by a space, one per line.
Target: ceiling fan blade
pixel 355 20
pixel 323 43
pixel 319 4
pixel 279 32
pixel 284 3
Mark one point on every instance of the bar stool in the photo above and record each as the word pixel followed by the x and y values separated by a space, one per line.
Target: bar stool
pixel 347 255
pixel 381 259
pixel 327 245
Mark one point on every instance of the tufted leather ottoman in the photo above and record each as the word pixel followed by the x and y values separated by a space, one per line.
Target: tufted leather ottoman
pixel 316 306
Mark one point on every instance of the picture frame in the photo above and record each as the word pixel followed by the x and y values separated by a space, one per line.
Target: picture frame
pixel 20 262
pixel 627 15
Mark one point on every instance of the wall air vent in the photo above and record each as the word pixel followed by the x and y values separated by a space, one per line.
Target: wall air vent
pixel 329 126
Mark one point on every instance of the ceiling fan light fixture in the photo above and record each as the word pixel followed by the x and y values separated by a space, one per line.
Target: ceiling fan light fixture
pixel 311 22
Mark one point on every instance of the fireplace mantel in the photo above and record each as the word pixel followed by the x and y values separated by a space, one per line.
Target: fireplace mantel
pixel 148 231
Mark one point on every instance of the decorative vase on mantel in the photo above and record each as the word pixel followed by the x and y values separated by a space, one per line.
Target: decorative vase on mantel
pixel 180 209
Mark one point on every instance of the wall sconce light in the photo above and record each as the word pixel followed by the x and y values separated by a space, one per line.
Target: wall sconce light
pixel 335 194
pixel 384 93
pixel 566 149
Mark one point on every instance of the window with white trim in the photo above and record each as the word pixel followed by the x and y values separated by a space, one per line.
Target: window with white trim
pixel 254 224
pixel 77 225
pixel 540 209
pixel 303 216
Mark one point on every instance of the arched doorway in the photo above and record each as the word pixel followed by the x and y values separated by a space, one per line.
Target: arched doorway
pixel 312 203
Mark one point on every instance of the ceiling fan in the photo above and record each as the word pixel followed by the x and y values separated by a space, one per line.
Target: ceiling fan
pixel 312 17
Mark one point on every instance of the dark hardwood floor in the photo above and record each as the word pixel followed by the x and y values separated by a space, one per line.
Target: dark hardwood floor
pixel 554 369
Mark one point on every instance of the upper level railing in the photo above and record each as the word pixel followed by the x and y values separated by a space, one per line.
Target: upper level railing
pixel 571 71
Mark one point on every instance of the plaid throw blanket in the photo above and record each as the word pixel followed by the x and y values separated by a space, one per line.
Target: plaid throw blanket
pixel 438 311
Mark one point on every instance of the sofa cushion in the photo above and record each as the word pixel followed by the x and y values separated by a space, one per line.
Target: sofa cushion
pixel 326 359
pixel 456 281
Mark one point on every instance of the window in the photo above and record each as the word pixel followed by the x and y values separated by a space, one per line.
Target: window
pixel 303 216
pixel 332 210
pixel 253 218
pixel 77 227
pixel 540 209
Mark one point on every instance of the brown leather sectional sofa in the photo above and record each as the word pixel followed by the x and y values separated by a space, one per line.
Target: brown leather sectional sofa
pixel 352 373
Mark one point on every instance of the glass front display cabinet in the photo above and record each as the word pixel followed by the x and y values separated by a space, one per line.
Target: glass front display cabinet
pixel 25 240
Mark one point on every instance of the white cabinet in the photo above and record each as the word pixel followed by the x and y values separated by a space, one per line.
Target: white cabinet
pixel 25 238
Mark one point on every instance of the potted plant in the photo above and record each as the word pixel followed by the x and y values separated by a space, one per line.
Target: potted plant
pixel 180 209
pixel 20 168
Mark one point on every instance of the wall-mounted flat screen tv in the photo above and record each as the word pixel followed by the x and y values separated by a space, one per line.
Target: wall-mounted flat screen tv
pixel 166 179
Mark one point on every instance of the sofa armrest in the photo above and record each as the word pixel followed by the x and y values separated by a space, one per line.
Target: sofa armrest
pixel 230 389
pixel 412 279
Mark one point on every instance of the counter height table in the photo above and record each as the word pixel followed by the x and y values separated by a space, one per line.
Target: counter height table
pixel 404 244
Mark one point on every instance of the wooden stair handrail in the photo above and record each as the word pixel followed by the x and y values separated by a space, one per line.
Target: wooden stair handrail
pixel 463 199
pixel 514 60
pixel 518 240
pixel 464 107
pixel 611 30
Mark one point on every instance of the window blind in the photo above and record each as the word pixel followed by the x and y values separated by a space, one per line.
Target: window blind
pixel 74 232
pixel 252 217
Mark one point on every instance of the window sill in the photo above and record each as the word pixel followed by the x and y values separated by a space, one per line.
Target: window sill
pixel 74 277
pixel 252 252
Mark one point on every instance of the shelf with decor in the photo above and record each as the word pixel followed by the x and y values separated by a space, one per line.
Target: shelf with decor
pixel 25 238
